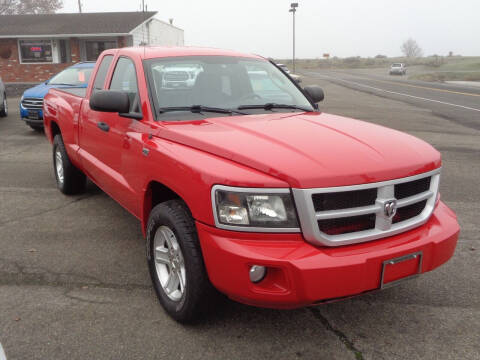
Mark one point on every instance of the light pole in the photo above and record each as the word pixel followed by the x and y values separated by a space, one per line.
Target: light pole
pixel 293 10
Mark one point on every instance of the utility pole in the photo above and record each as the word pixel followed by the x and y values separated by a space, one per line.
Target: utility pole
pixel 293 10
pixel 80 6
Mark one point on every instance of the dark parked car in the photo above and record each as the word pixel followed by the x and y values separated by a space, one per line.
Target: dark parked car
pixel 3 100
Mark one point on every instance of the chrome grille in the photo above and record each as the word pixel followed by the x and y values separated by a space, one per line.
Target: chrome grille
pixel 346 225
pixel 345 199
pixel 411 188
pixel 32 103
pixel 353 214
pixel 408 212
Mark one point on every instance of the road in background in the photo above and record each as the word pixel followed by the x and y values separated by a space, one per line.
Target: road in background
pixel 459 103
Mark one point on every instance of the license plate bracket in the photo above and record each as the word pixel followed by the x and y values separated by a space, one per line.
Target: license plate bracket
pixel 33 115
pixel 401 259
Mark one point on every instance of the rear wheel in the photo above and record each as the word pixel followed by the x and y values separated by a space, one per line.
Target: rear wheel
pixel 4 107
pixel 69 179
pixel 176 263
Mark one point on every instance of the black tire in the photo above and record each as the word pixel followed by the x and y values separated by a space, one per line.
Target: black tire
pixel 4 107
pixel 37 128
pixel 74 180
pixel 198 292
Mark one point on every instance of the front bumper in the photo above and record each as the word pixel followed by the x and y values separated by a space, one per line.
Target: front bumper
pixel 300 274
pixel 26 115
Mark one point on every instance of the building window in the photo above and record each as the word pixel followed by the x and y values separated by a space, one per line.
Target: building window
pixel 95 48
pixel 64 51
pixel 35 51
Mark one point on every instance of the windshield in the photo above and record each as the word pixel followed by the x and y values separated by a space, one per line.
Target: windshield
pixel 397 65
pixel 221 82
pixel 72 76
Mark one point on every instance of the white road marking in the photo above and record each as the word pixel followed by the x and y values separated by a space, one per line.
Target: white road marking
pixel 2 353
pixel 402 94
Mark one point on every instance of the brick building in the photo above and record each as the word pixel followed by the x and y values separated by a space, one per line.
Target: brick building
pixel 35 47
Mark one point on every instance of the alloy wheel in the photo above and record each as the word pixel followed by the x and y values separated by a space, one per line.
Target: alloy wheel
pixel 59 166
pixel 169 263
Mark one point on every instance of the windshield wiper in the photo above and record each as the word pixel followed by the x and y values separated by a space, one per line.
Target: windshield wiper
pixel 270 106
pixel 199 109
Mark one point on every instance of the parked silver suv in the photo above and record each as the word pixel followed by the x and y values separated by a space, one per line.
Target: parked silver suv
pixel 295 77
pixel 398 69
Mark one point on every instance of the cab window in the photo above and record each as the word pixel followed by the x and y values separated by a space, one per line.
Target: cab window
pixel 102 72
pixel 125 79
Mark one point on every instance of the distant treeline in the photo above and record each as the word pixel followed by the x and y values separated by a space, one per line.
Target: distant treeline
pixel 433 61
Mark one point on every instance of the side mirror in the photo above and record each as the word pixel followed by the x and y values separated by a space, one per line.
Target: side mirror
pixel 315 93
pixel 110 101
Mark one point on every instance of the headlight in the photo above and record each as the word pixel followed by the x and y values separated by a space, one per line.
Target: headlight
pixel 269 209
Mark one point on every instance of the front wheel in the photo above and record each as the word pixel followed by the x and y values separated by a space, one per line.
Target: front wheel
pixel 176 263
pixel 69 179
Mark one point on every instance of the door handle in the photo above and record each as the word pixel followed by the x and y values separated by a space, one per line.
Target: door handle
pixel 103 126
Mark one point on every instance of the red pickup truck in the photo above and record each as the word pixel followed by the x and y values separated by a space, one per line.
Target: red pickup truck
pixel 242 185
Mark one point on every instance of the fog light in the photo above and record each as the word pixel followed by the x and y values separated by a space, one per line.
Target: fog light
pixel 257 273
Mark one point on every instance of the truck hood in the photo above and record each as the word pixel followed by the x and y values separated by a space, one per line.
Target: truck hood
pixel 41 90
pixel 308 150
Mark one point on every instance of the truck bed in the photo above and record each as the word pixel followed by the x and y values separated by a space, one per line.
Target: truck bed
pixel 63 106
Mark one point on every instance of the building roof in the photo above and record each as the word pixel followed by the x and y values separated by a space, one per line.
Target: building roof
pixel 110 23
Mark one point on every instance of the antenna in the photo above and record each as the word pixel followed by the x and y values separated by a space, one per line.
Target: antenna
pixel 144 43
pixel 80 6
pixel 144 25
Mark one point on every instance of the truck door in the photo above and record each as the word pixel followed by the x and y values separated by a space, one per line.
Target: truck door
pixel 106 138
pixel 124 151
pixel 100 134
pixel 92 139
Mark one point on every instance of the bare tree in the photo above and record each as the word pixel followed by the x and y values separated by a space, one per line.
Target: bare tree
pixel 10 7
pixel 5 6
pixel 410 48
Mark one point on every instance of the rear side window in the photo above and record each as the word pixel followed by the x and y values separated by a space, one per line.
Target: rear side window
pixel 102 72
pixel 125 79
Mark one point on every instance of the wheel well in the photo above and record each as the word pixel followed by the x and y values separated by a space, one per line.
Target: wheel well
pixel 54 129
pixel 156 193
pixel 161 193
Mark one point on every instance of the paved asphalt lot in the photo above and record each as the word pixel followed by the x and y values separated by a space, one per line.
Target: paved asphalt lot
pixel 458 103
pixel 74 281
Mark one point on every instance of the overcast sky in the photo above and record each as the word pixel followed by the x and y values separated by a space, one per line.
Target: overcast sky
pixel 339 27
